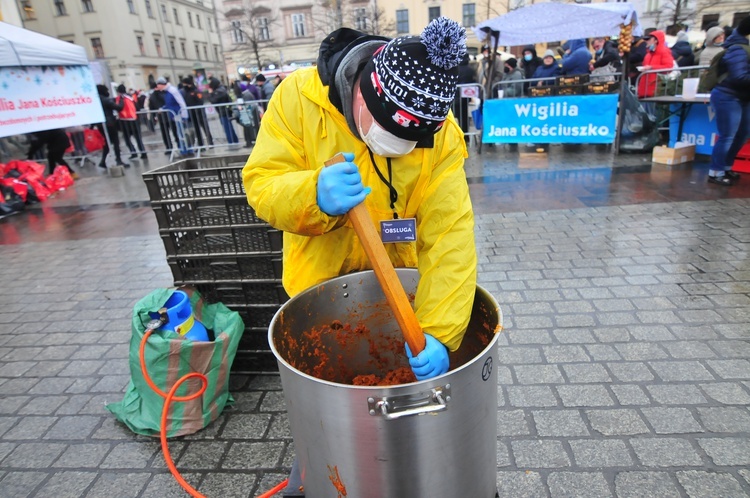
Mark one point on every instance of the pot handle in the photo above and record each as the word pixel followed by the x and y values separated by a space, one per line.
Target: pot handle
pixel 395 407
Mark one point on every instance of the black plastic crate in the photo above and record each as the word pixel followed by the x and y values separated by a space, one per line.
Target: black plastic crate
pixel 256 317
pixel 574 79
pixel 219 269
pixel 248 362
pixel 245 293
pixel 231 211
pixel 222 241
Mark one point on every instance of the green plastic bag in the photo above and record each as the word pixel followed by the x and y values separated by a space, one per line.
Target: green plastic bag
pixel 168 358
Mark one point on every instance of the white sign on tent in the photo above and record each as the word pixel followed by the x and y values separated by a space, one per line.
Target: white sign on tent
pixel 45 83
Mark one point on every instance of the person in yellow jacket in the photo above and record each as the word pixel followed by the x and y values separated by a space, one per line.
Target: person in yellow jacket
pixel 385 105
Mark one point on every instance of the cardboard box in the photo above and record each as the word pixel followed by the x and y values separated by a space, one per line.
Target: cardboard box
pixel 677 155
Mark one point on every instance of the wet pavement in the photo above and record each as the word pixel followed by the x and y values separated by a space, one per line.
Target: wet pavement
pixel 625 361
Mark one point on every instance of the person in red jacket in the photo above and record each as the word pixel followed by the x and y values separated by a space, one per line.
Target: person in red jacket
pixel 658 56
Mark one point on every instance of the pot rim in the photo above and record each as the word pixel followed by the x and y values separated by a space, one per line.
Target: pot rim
pixel 280 312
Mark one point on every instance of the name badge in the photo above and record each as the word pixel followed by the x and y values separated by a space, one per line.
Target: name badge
pixel 399 230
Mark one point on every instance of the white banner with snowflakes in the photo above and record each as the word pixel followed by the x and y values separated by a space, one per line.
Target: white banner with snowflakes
pixel 35 98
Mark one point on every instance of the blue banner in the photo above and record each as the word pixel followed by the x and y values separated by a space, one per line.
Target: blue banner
pixel 699 128
pixel 575 119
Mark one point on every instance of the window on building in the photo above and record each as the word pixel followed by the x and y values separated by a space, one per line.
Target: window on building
pixel 469 17
pixel 216 52
pixel 131 6
pixel 198 21
pixel 164 15
pixel 60 8
pixel 183 49
pixel 175 16
pixel 157 44
pixel 172 49
pixel 149 12
pixel 141 46
pixel 210 24
pixel 298 25
pixel 738 17
pixel 263 32
pixel 88 5
pixel 96 45
pixel 402 21
pixel 708 19
pixel 237 35
pixel 190 19
pixel 197 52
pixel 360 19
pixel 433 13
pixel 28 10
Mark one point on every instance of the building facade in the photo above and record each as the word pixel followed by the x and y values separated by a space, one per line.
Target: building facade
pixel 692 15
pixel 134 42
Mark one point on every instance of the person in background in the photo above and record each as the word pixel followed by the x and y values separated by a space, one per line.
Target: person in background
pixel 79 141
pixel 128 125
pixel 356 101
pixel 682 52
pixel 175 104
pixel 219 95
pixel 109 129
pixel 637 54
pixel 197 118
pixel 277 80
pixel 549 69
pixel 730 99
pixel 658 56
pixel 56 141
pixel 512 73
pixel 266 87
pixel 714 39
pixel 466 76
pixel 605 53
pixel 576 59
pixel 485 68
pixel 529 62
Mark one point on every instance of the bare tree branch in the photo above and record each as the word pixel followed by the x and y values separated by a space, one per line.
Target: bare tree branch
pixel 252 38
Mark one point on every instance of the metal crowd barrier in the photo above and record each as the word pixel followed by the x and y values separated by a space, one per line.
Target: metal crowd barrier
pixel 671 77
pixel 469 98
pixel 522 88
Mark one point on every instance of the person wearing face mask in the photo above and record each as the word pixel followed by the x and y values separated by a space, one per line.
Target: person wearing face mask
pixel 512 74
pixel 658 56
pixel 385 104
pixel 529 63
pixel 605 53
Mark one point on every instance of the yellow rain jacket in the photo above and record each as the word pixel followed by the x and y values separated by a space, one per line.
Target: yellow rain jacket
pixel 301 130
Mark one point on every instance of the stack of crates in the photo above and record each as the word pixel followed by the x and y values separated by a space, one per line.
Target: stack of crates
pixel 216 243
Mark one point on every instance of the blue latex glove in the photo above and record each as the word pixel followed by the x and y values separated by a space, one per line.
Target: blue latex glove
pixel 431 362
pixel 340 187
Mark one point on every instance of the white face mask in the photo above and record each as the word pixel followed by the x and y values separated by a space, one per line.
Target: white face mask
pixel 382 142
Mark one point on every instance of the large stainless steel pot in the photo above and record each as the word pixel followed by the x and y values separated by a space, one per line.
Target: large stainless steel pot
pixel 434 438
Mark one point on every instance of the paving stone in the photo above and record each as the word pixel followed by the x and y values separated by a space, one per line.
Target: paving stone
pixel 515 355
pixel 520 484
pixel 730 330
pixel 586 373
pixel 559 423
pixel 665 452
pixel 611 334
pixel 645 485
pixel 639 351
pixel 578 484
pixel 584 396
pixel 66 484
pixel 538 374
pixel 700 483
pixel 512 423
pixel 726 393
pixel 165 486
pixel 602 352
pixel 745 474
pixel 564 354
pixel 628 394
pixel 130 455
pixel 727 451
pixel 503 456
pixel 202 455
pixel 227 485
pixel 731 349
pixel 539 454
pixel 688 350
pixel 630 371
pixel 729 419
pixel 676 394
pixel 616 422
pixel 246 426
pixel 50 386
pixel 20 484
pixel 574 335
pixel 529 337
pixel 83 455
pixel 29 427
pixel 651 333
pixel 121 485
pixel 42 405
pixel 730 369
pixel 612 318
pixel 33 455
pixel 600 453
pixel 671 420
pixel 242 455
pixel 531 396
pixel 672 371
pixel 75 427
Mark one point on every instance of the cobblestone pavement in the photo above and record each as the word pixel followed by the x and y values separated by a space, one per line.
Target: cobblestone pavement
pixel 625 362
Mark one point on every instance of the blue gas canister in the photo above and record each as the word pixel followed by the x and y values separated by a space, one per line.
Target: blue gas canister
pixel 181 319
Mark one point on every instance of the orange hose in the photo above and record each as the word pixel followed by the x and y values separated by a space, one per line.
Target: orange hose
pixel 168 398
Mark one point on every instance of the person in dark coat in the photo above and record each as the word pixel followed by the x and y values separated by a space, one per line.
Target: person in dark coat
pixel 637 53
pixel 730 99
pixel 529 62
pixel 466 76
pixel 682 51
pixel 56 141
pixel 197 118
pixel 550 69
pixel 605 52
pixel 110 108
pixel 577 58
pixel 218 94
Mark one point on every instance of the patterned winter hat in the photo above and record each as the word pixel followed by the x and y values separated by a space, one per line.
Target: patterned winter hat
pixel 410 84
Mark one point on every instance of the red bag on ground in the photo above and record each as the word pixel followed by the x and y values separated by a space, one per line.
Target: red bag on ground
pixel 28 169
pixel 60 179
pixel 93 140
pixel 38 189
pixel 18 187
pixel 3 169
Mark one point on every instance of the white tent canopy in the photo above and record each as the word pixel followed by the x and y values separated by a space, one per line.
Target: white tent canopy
pixel 22 47
pixel 546 22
